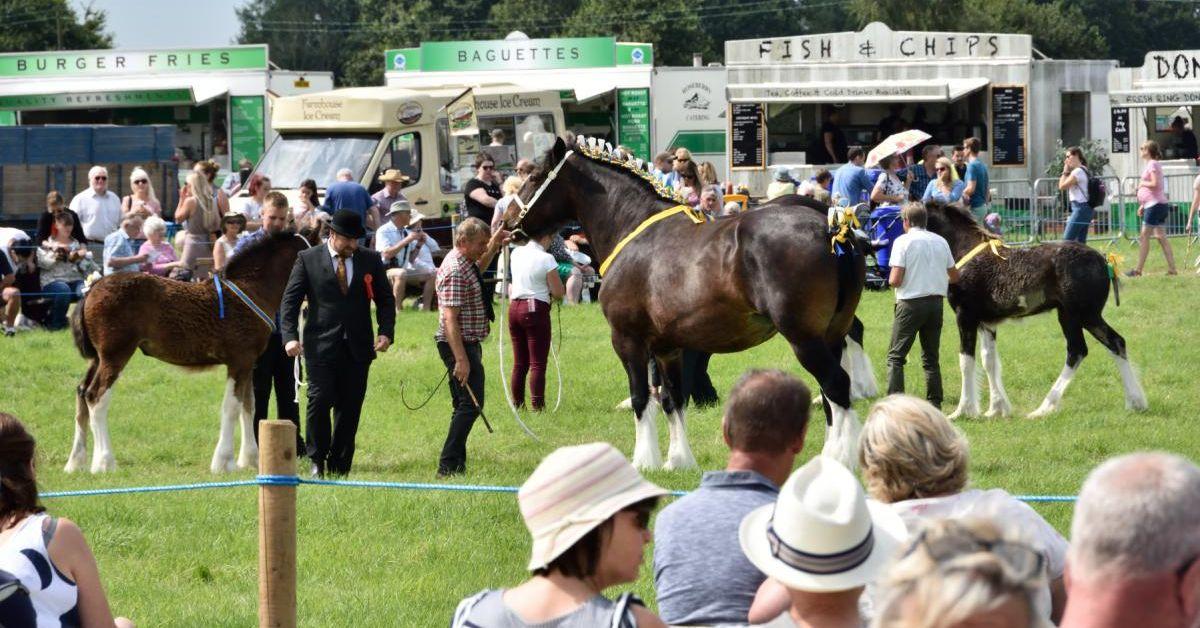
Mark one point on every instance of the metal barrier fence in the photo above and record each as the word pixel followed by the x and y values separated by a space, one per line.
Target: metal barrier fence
pixel 1054 211
pixel 1180 195
pixel 1013 200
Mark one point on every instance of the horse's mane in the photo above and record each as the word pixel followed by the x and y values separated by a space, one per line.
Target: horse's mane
pixel 603 153
pixel 250 260
pixel 959 217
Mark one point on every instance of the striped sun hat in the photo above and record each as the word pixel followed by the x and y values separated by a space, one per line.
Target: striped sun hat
pixel 574 490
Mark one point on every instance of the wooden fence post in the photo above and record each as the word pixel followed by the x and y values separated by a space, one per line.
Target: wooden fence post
pixel 277 527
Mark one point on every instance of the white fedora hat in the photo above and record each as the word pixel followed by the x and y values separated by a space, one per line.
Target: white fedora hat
pixel 574 490
pixel 822 534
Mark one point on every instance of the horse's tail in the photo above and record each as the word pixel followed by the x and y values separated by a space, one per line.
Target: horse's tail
pixel 79 331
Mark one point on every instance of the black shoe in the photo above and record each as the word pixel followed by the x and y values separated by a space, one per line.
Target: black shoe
pixel 318 470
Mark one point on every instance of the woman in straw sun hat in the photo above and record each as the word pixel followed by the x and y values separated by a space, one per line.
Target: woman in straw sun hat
pixel 588 511
pixel 824 541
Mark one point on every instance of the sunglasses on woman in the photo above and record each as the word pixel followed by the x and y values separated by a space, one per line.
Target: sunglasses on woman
pixel 141 181
pixel 939 169
pixel 1022 561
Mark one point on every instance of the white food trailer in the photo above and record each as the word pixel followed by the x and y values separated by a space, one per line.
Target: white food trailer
pixel 993 86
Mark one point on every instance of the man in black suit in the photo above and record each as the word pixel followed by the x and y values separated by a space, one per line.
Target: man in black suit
pixel 339 281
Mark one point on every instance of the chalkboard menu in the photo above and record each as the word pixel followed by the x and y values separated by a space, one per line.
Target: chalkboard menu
pixel 1120 129
pixel 747 137
pixel 1008 125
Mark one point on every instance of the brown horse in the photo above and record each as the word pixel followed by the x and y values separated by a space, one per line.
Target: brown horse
pixel 1009 283
pixel 718 287
pixel 179 323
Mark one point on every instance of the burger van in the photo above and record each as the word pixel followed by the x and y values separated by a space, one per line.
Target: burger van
pixel 373 129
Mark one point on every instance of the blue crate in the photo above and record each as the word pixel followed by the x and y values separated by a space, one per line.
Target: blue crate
pixel 12 145
pixel 58 145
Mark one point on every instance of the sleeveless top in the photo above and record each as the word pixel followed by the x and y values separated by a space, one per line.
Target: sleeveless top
pixel 33 590
pixel 487 609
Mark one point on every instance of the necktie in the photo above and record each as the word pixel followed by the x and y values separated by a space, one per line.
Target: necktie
pixel 341 275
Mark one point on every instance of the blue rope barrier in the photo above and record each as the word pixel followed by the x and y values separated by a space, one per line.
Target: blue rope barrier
pixel 293 480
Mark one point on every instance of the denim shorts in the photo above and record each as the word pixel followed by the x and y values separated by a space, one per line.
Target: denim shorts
pixel 1156 215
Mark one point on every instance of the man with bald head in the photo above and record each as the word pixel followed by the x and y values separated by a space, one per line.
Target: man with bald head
pixel 1135 541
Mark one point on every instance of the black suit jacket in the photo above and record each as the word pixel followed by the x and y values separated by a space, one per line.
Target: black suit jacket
pixel 334 318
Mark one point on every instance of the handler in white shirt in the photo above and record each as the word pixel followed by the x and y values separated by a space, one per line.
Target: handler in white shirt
pixel 535 283
pixel 98 208
pixel 922 271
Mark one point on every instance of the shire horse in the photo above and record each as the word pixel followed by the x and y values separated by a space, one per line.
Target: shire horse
pixel 180 323
pixel 719 287
pixel 1005 283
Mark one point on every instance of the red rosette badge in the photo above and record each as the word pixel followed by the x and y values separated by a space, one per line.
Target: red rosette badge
pixel 368 280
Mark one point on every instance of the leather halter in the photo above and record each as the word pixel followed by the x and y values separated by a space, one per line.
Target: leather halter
pixel 537 193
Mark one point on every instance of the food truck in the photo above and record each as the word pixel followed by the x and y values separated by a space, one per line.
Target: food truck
pixel 1145 101
pixel 604 84
pixel 372 129
pixel 994 86
pixel 218 99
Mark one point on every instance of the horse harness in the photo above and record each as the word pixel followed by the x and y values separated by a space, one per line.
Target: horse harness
pixel 995 244
pixel 221 283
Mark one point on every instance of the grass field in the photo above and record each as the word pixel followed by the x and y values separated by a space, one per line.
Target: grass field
pixel 393 558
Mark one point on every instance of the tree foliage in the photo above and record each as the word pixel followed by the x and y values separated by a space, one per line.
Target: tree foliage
pixel 349 36
pixel 33 25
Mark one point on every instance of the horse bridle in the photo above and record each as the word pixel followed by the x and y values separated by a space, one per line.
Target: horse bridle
pixel 525 207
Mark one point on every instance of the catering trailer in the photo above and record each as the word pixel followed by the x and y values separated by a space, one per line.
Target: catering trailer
pixel 993 86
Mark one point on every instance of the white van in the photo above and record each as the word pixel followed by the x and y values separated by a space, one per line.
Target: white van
pixel 372 129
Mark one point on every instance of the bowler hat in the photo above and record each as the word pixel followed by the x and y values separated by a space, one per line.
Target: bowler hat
pixel 347 223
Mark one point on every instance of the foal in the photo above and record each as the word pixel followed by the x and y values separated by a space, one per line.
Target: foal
pixel 999 283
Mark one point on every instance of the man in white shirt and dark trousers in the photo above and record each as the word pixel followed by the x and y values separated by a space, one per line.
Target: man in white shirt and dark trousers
pixel 922 271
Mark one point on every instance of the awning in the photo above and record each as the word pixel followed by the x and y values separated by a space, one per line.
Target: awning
pixel 110 92
pixel 586 83
pixel 1180 94
pixel 930 90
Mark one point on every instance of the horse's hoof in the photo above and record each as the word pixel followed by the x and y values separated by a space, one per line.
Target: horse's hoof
pixel 1137 405
pixel 625 405
pixel 1043 411
pixel 74 464
pixel 222 466
pixel 247 462
pixel 680 463
pixel 999 411
pixel 104 465
pixel 963 413
pixel 646 461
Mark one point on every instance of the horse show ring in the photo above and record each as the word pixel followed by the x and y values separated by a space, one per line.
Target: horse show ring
pixel 163 422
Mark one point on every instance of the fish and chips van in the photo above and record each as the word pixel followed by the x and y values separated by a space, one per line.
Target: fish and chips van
pixel 1145 101
pixel 783 93
pixel 372 129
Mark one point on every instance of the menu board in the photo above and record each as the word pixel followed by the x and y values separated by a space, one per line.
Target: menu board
pixel 1008 125
pixel 633 121
pixel 747 137
pixel 1120 129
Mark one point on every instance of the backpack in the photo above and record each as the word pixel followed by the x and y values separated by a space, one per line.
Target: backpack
pixel 1096 190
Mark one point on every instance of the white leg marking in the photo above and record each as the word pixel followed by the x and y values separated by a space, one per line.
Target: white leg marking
pixel 248 454
pixel 863 374
pixel 998 404
pixel 78 457
pixel 625 405
pixel 1135 397
pixel 968 400
pixel 1050 403
pixel 222 459
pixel 679 452
pixel 841 441
pixel 646 453
pixel 847 365
pixel 102 455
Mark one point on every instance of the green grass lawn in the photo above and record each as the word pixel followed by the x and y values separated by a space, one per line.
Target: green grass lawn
pixel 400 558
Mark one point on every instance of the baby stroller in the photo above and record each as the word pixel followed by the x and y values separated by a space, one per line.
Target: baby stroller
pixel 884 226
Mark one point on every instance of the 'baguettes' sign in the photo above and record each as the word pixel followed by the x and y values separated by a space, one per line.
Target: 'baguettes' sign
pixel 747 137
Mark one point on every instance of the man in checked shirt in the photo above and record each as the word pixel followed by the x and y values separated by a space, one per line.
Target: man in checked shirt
pixel 464 315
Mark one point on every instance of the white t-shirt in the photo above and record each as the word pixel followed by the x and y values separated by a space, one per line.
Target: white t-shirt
pixel 99 215
pixel 424 259
pixel 250 209
pixel 1078 192
pixel 530 263
pixel 8 236
pixel 925 258
pixel 1003 509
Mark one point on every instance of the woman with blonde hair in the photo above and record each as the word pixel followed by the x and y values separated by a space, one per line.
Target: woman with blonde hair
pixel 142 201
pixel 943 187
pixel 915 460
pixel 963 573
pixel 202 220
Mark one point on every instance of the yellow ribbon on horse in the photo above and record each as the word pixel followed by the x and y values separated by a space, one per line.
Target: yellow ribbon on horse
pixel 695 216
pixel 994 243
pixel 843 219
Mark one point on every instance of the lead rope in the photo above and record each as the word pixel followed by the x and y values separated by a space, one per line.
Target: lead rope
pixel 500 342
pixel 297 370
pixel 554 353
